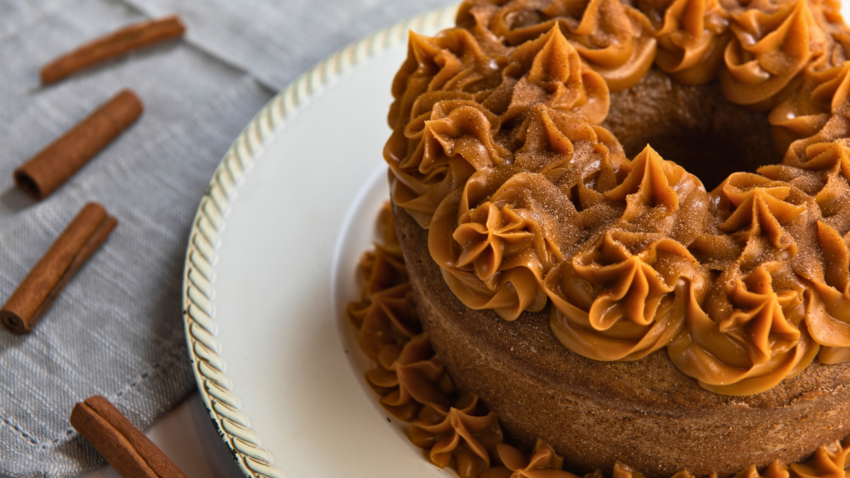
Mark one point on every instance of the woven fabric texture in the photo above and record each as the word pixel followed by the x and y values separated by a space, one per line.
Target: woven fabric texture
pixel 117 329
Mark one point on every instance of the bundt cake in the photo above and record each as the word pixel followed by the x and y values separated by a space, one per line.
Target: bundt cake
pixel 625 231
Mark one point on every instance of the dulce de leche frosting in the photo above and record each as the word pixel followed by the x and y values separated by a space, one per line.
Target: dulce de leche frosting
pixel 497 151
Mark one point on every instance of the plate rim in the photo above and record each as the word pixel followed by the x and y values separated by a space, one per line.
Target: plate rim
pixel 198 310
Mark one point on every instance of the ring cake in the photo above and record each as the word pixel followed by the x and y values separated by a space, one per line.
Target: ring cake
pixel 573 273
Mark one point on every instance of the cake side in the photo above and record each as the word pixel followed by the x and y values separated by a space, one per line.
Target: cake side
pixel 645 413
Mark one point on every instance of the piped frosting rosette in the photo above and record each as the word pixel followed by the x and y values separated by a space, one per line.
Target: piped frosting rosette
pixel 818 112
pixel 455 142
pixel 543 462
pixel 453 60
pixel 773 42
pixel 748 333
pixel 660 197
pixel 614 39
pixel 494 255
pixel 824 174
pixel 692 37
pixel 410 377
pixel 804 113
pixel 759 209
pixel 461 436
pixel 624 297
pixel 549 71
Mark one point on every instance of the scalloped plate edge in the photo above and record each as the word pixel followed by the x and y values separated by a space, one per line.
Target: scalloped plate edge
pixel 215 387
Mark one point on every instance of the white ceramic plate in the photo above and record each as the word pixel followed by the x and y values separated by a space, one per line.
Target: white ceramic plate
pixel 270 268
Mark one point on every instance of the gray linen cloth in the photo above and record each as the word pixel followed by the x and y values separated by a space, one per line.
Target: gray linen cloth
pixel 117 330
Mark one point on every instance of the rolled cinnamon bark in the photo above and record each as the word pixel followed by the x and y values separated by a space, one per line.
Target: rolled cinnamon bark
pixel 123 445
pixel 113 45
pixel 69 252
pixel 56 163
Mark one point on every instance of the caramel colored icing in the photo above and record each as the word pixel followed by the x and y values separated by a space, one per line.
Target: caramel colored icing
pixel 409 377
pixel 613 304
pixel 496 150
pixel 772 43
pixel 692 37
pixel 459 432
pixel 542 462
pixel 386 309
pixel 461 436
pixel 805 112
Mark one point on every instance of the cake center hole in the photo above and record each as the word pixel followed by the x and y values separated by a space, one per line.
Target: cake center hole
pixel 694 126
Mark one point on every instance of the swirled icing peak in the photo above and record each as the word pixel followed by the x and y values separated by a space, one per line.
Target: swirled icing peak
pixel 827 173
pixel 502 241
pixel 487 234
pixel 828 319
pixel 498 236
pixel 691 38
pixel 772 43
pixel 759 313
pixel 650 185
pixel 409 378
pixel 759 207
pixel 549 70
pixel 748 334
pixel 805 112
pixel 831 157
pixel 622 299
pixel 460 436
pixel 636 288
pixel 543 462
pixel 827 461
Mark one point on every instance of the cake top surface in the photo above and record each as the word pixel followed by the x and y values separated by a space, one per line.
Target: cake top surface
pixel 498 151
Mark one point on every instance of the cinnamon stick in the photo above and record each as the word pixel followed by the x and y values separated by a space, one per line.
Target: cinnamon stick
pixel 123 445
pixel 51 274
pixel 113 45
pixel 56 163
